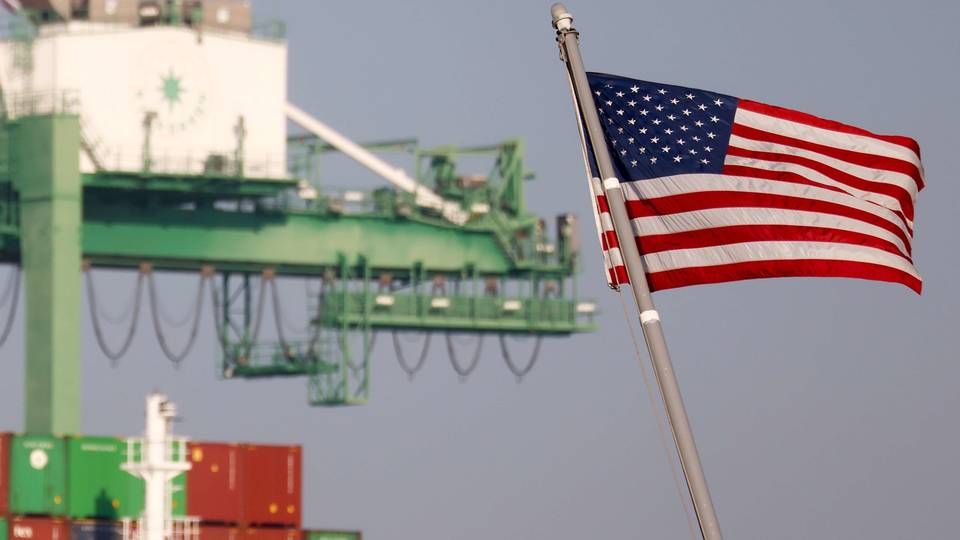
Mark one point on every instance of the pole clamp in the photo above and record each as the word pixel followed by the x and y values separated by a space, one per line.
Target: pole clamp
pixel 611 183
pixel 649 316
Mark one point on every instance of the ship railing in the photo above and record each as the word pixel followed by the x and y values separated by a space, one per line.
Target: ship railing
pixel 212 163
pixel 176 528
pixel 20 104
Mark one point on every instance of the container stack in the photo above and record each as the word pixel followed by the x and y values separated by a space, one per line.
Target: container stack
pixel 72 488
pixel 245 490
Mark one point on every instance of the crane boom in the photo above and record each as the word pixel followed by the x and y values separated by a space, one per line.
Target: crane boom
pixel 423 195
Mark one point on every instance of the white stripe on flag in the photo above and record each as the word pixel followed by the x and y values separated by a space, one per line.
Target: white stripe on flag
pixel 727 217
pixel 601 221
pixel 773 251
pixel 869 174
pixel 697 183
pixel 877 199
pixel 827 137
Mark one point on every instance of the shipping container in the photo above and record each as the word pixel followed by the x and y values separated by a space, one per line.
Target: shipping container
pixel 271 485
pixel 96 530
pixel 38 529
pixel 177 485
pixel 178 488
pixel 3 528
pixel 97 487
pixel 218 532
pixel 213 483
pixel 262 533
pixel 5 439
pixel 38 475
pixel 332 535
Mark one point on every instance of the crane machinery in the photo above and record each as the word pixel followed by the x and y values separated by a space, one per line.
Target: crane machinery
pixel 153 137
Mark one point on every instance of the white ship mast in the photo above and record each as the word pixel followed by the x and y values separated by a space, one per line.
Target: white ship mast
pixel 158 458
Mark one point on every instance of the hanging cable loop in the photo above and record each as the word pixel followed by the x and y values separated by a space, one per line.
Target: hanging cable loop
pixel 176 358
pixel 13 288
pixel 219 323
pixel 463 372
pixel 520 372
pixel 282 317
pixel 439 285
pixel 133 313
pixel 549 291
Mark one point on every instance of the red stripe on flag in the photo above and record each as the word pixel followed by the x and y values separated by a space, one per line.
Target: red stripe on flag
pixel 702 200
pixel 794 178
pixel 700 275
pixel 890 190
pixel 602 204
pixel 618 275
pixel 610 240
pixel 736 234
pixel 816 121
pixel 873 161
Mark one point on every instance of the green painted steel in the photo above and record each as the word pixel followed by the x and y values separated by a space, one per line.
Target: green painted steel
pixel 97 487
pixel 455 313
pixel 52 215
pixel 178 488
pixel 38 475
pixel 291 243
pixel 3 528
pixel 44 160
pixel 137 488
pixel 218 186
pixel 332 535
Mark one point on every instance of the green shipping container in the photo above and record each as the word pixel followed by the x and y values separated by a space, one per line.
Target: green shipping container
pixel 332 535
pixel 100 489
pixel 3 528
pixel 38 475
pixel 97 487
pixel 178 486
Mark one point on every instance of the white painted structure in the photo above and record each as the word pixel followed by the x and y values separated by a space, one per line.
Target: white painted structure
pixel 158 458
pixel 199 84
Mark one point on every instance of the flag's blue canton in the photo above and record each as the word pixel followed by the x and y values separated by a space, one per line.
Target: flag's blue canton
pixel 656 130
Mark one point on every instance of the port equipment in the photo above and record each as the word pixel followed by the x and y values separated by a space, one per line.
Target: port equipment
pixel 87 184
pixel 158 457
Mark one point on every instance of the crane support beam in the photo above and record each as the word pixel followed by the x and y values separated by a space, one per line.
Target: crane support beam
pixel 290 243
pixel 46 167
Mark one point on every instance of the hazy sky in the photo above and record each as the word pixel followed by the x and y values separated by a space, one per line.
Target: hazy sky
pixel 823 408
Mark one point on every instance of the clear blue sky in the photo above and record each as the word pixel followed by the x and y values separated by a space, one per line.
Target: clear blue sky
pixel 824 409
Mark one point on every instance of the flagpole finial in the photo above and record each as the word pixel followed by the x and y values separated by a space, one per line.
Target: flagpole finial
pixel 562 19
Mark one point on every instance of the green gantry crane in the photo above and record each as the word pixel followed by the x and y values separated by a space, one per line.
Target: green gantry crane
pixel 384 261
pixel 438 253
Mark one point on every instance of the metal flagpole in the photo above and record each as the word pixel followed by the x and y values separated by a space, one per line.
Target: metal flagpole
pixel 568 39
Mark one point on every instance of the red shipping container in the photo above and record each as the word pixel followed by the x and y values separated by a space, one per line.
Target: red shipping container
pixel 271 485
pixel 218 532
pixel 269 534
pixel 213 483
pixel 5 439
pixel 215 532
pixel 39 529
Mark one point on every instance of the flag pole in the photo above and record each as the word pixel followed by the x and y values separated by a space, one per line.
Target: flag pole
pixel 568 39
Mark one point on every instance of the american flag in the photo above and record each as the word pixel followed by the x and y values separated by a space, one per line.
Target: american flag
pixel 723 189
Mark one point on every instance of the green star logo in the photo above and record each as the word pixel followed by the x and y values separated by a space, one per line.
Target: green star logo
pixel 172 88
